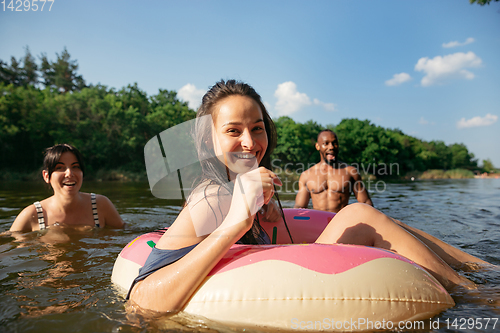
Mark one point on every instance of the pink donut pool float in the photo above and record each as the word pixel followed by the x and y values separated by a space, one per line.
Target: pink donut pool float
pixel 304 286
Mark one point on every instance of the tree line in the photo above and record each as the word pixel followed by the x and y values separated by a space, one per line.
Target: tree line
pixel 373 149
pixel 48 103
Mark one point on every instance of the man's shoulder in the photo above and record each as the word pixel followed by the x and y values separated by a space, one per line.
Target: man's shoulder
pixel 313 168
pixel 353 171
pixel 344 165
pixel 311 171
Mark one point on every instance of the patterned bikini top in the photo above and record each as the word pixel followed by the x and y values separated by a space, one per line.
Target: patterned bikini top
pixel 41 220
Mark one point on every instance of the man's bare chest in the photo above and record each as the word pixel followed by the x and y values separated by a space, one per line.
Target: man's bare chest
pixel 335 182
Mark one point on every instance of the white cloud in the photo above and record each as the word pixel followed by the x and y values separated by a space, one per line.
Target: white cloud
pixel 326 106
pixel 487 120
pixel 398 79
pixel 191 95
pixel 291 101
pixel 450 66
pixel 424 121
pixel 455 43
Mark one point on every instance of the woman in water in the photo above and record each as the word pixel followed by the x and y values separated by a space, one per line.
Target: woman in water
pixel 63 170
pixel 222 210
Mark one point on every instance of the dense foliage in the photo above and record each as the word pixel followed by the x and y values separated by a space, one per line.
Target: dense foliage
pixel 482 2
pixel 371 148
pixel 109 127
pixel 48 104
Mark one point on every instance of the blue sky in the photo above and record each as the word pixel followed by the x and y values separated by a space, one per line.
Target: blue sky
pixel 429 68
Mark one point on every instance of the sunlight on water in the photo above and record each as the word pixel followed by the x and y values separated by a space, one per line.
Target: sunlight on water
pixel 63 286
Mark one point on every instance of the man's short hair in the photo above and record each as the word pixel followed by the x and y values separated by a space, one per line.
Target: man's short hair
pixel 326 130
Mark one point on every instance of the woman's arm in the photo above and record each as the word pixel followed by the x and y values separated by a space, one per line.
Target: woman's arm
pixel 26 220
pixel 108 215
pixel 169 288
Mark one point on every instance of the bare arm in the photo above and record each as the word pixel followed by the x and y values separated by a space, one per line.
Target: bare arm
pixel 303 195
pixel 108 213
pixel 26 220
pixel 359 188
pixel 169 288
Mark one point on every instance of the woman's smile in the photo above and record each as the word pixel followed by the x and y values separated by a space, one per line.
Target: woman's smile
pixel 243 156
pixel 67 174
pixel 240 139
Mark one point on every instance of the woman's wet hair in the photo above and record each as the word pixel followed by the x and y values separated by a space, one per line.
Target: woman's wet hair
pixel 53 155
pixel 214 172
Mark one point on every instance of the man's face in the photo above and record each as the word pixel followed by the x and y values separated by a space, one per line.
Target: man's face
pixel 328 146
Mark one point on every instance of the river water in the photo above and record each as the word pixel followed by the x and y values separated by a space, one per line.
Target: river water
pixel 65 286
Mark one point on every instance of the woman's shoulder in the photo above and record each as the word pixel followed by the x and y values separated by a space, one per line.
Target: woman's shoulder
pixel 25 220
pixel 107 209
pixel 30 210
pixel 100 199
pixel 208 190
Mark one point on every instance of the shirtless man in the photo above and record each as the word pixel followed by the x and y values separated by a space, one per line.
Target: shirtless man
pixel 330 182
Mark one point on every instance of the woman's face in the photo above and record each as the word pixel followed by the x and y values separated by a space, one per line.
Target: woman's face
pixel 67 176
pixel 240 139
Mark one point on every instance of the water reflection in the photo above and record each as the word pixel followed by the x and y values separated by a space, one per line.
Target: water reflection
pixel 60 281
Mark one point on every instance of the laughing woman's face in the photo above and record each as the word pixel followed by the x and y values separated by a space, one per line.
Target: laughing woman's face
pixel 67 176
pixel 240 134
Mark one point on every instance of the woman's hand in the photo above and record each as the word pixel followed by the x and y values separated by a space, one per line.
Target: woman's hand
pixel 270 212
pixel 252 190
pixel 257 186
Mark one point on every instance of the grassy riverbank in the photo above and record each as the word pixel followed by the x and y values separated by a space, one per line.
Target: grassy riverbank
pixel 441 174
pixel 293 176
pixel 100 175
pixel 289 177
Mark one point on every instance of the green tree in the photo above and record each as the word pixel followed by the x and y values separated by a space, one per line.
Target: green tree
pixel 19 73
pixel 5 73
pixel 25 126
pixel 30 69
pixel 167 111
pixel 461 158
pixel 309 134
pixel 442 158
pixel 481 2
pixel 111 127
pixel 488 165
pixel 61 74
pixel 367 145
pixel 295 148
pixel 13 73
pixel 133 96
pixel 413 155
pixel 47 73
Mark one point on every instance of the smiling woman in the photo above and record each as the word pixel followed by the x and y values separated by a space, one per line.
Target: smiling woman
pixel 234 137
pixel 244 141
pixel 63 170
